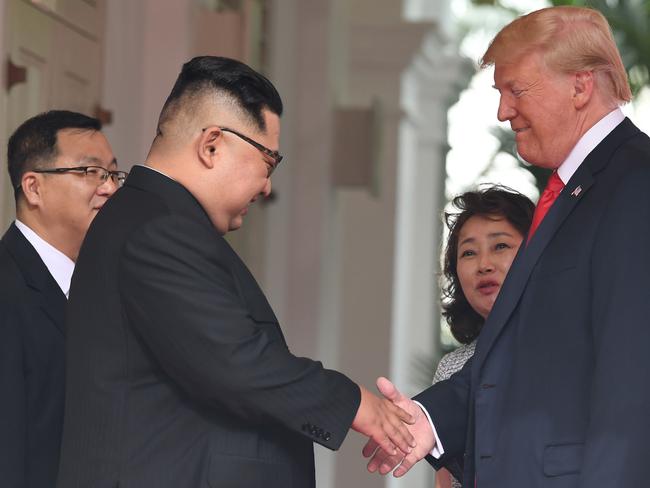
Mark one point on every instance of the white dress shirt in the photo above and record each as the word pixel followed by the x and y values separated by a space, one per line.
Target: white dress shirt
pixel 58 264
pixel 565 171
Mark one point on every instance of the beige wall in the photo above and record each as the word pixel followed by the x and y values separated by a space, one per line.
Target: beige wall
pixel 6 200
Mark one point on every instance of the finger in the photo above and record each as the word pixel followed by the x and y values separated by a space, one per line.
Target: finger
pixel 400 436
pixel 403 415
pixel 370 448
pixel 386 444
pixel 387 389
pixel 397 423
pixel 389 464
pixel 378 459
pixel 407 463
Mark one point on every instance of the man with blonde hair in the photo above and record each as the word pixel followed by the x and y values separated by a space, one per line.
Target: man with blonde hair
pixel 557 393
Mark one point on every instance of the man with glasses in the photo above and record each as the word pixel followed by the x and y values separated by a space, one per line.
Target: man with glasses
pixel 178 374
pixel 62 171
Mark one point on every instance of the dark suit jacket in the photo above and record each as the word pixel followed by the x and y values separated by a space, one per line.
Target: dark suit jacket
pixel 558 392
pixel 178 373
pixel 32 308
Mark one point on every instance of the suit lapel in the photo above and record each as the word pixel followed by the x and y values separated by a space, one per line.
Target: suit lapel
pixel 515 284
pixel 45 289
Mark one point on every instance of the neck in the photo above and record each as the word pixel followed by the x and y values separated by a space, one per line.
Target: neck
pixel 595 117
pixel 597 108
pixel 54 236
pixel 172 163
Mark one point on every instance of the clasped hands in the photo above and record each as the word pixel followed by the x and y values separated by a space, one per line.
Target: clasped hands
pixel 413 442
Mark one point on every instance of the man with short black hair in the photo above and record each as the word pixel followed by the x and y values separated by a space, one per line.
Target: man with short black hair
pixel 62 171
pixel 178 373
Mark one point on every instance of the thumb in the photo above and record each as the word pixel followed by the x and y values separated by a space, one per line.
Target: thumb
pixel 387 389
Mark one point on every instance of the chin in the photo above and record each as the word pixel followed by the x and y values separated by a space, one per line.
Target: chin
pixel 529 158
pixel 234 225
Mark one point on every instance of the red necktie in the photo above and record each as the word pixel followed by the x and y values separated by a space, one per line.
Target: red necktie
pixel 550 193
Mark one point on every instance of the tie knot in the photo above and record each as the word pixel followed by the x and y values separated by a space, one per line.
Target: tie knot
pixel 554 184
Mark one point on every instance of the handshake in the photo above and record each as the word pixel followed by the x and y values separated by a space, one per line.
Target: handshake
pixel 399 430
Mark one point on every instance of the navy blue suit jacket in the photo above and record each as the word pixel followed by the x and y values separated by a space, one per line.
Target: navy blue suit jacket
pixel 558 392
pixel 32 316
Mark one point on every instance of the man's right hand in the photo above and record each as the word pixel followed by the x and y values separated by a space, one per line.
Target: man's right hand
pixel 384 460
pixel 384 422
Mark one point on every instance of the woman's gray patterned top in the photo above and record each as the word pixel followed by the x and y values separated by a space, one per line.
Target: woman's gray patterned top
pixel 450 364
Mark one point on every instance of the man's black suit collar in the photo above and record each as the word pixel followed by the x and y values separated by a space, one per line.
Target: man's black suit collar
pixel 175 195
pixel 30 263
pixel 36 274
pixel 597 159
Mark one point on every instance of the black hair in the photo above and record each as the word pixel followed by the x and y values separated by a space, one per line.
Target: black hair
pixel 494 201
pixel 33 144
pixel 252 91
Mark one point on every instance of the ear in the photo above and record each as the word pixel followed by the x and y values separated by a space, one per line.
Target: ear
pixel 208 145
pixel 32 188
pixel 583 88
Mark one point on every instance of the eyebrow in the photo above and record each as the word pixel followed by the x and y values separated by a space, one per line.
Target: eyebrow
pixel 93 159
pixel 492 235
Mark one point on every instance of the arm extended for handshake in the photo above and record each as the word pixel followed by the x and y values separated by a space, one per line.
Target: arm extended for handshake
pixel 421 429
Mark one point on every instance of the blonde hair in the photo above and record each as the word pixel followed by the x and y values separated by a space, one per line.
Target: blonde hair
pixel 571 39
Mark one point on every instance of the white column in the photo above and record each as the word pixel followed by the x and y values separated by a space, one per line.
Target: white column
pixel 142 62
pixel 430 85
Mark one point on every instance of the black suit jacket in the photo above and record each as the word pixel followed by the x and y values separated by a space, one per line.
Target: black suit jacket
pixel 178 373
pixel 32 308
pixel 558 392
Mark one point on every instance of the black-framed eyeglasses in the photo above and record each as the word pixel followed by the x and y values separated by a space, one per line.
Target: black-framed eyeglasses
pixel 96 174
pixel 274 155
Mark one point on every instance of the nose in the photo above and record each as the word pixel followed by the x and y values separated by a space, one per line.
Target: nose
pixel 506 110
pixel 485 264
pixel 266 191
pixel 107 188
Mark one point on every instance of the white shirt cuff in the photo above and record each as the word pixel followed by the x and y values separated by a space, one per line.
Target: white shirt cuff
pixel 437 450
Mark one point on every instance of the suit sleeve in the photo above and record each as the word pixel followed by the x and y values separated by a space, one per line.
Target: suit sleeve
pixel 13 407
pixel 179 295
pixel 618 433
pixel 447 403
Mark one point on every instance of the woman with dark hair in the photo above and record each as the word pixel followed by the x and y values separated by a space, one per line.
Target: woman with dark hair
pixel 484 237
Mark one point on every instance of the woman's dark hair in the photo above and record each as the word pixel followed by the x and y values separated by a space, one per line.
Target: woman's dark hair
pixel 492 202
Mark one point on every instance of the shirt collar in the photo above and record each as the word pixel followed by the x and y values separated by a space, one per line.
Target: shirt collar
pixel 58 264
pixel 588 142
pixel 156 170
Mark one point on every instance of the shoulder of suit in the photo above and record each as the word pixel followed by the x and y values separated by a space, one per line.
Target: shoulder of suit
pixel 12 282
